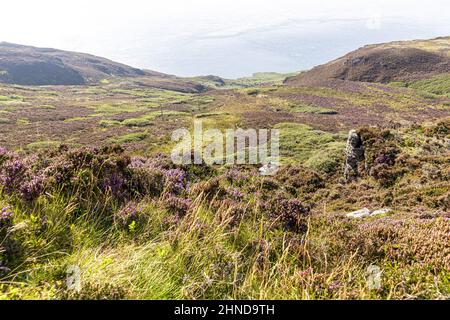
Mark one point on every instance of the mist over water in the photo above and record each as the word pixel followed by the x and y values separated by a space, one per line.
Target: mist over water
pixel 285 47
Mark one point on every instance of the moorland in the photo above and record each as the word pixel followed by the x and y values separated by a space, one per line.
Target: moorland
pixel 87 180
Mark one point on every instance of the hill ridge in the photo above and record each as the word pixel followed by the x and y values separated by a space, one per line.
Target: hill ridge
pixel 386 62
pixel 30 65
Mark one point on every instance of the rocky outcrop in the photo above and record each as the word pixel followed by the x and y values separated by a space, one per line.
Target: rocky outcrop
pixel 354 155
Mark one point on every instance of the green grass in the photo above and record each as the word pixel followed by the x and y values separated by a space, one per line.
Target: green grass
pixel 11 98
pixel 5 121
pixel 153 95
pixel 223 248
pixel 257 79
pixel 429 88
pixel 136 122
pixel 147 119
pixel 131 137
pixel 23 122
pixel 304 108
pixel 204 256
pixel 439 85
pixel 43 144
pixel 75 119
pixel 314 148
pixel 211 114
pixel 110 109
pixel 46 107
pixel 108 123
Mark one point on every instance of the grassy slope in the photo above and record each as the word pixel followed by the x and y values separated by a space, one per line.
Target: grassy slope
pixel 434 86
pixel 227 244
pixel 383 63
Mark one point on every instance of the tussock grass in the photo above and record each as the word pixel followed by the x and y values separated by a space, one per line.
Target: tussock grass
pixel 131 137
pixel 42 144
pixel 233 240
pixel 316 149
pixel 200 258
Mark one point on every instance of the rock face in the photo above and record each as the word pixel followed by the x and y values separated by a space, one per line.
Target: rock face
pixel 354 155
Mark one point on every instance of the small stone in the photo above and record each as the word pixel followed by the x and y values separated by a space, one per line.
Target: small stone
pixel 4 270
pixel 269 169
pixel 380 211
pixel 364 212
pixel 373 277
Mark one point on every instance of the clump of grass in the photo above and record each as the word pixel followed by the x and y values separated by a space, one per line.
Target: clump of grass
pixel 5 121
pixel 74 119
pixel 303 108
pixel 202 100
pixel 314 148
pixel 23 122
pixel 132 137
pixel 211 114
pixel 258 92
pixel 108 123
pixel 11 98
pixel 147 119
pixel 110 109
pixel 165 113
pixel 45 144
pixel 136 122
pixel 47 107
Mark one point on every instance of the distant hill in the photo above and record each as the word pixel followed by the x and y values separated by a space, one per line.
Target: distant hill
pixel 28 65
pixel 257 79
pixel 394 61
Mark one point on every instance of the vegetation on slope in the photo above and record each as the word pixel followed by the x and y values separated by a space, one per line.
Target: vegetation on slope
pixel 137 226
pixel 395 61
pixel 26 65
pixel 257 79
pixel 141 227
pixel 438 85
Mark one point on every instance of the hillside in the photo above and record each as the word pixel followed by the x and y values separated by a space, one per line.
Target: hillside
pixel 87 184
pixel 26 65
pixel 394 61
pixel 257 79
pixel 43 66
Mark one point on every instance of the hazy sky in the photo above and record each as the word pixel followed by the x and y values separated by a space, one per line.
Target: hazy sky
pixel 228 38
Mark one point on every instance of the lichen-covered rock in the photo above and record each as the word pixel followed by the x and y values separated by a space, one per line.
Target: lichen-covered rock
pixel 354 155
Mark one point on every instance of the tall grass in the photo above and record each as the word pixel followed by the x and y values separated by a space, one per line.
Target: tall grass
pixel 141 228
